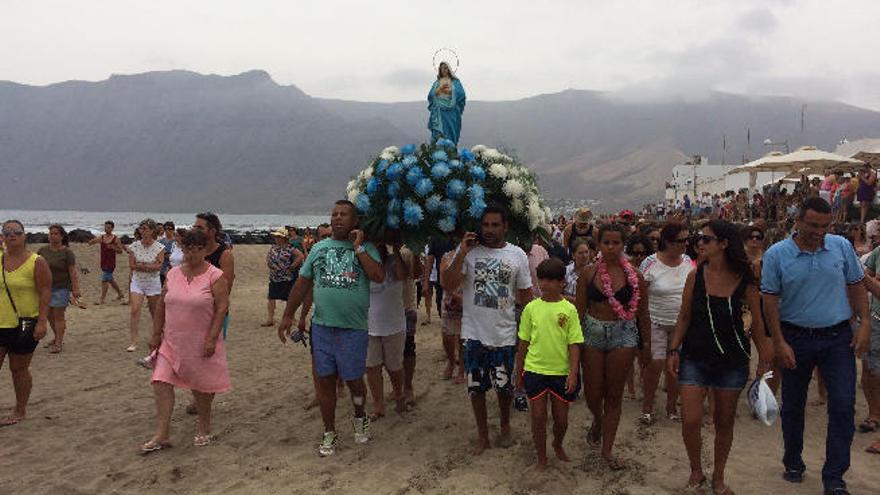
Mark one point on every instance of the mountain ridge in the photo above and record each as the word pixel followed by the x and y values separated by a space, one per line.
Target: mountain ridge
pixel 183 141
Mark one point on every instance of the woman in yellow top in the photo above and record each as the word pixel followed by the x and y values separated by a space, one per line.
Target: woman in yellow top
pixel 27 279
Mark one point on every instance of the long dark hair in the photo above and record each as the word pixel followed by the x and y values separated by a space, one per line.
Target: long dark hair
pixel 65 241
pixel 439 75
pixel 735 253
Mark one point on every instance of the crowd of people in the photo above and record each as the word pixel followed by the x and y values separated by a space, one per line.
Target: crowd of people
pixel 688 298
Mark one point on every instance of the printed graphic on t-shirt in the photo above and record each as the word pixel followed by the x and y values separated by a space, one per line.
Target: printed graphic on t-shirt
pixel 492 283
pixel 337 268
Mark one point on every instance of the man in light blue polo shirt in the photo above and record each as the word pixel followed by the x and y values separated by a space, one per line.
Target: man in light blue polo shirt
pixel 812 283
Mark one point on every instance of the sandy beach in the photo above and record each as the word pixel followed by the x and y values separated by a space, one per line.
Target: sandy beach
pixel 91 408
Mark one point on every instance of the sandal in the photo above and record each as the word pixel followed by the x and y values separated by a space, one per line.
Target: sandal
pixel 700 487
pixel 153 446
pixel 646 419
pixel 874 448
pixel 869 425
pixel 674 417
pixel 10 421
pixel 202 440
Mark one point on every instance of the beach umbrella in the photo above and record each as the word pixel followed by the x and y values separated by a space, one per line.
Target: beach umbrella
pixel 866 150
pixel 807 159
pixel 762 164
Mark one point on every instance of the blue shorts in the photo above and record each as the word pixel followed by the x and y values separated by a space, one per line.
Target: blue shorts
pixel 106 276
pixel 488 367
pixel 339 351
pixel 609 335
pixel 225 325
pixel 701 374
pixel 60 297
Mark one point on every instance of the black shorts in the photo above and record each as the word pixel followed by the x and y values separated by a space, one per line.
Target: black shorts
pixel 537 385
pixel 9 340
pixel 280 290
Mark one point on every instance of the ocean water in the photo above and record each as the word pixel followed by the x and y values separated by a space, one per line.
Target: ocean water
pixel 127 221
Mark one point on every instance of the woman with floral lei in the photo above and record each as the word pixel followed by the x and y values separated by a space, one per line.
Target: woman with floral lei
pixel 611 297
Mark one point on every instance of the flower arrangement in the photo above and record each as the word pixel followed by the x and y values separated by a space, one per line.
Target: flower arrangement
pixel 429 191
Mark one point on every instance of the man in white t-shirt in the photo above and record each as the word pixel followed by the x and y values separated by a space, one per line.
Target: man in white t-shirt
pixel 494 276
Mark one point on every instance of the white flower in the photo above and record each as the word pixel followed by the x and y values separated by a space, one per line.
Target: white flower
pixel 353 194
pixel 536 215
pixel 478 149
pixel 388 157
pixel 517 206
pixel 491 154
pixel 513 188
pixel 352 185
pixel 506 159
pixel 366 174
pixel 391 150
pixel 498 170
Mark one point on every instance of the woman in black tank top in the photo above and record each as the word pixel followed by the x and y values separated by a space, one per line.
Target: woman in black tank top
pixel 710 348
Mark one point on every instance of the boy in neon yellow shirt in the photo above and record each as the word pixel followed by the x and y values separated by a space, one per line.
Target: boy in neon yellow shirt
pixel 550 341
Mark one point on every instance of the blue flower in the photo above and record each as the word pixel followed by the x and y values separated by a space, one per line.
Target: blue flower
pixel 433 203
pixel 466 155
pixel 454 163
pixel 409 160
pixel 393 189
pixel 476 208
pixel 424 187
pixel 440 170
pixel 394 205
pixel 362 202
pixel 381 166
pixel 392 221
pixel 414 176
pixel 373 186
pixel 446 224
pixel 478 173
pixel 449 207
pixel 475 191
pixel 439 156
pixel 446 143
pixel 408 149
pixel 455 188
pixel 412 214
pixel 394 171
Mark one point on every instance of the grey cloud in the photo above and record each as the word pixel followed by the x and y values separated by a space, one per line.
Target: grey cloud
pixel 760 21
pixel 407 78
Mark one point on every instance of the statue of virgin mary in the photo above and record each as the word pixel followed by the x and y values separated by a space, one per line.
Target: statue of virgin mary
pixel 446 102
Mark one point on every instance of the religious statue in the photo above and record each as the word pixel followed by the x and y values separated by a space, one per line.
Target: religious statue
pixel 446 102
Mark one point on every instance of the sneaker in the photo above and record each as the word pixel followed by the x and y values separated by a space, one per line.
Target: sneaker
pixel 361 429
pixel 793 475
pixel 328 444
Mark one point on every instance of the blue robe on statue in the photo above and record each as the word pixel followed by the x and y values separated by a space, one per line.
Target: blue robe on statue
pixel 446 104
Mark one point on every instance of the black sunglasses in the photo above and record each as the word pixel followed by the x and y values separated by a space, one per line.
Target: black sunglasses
pixel 756 237
pixel 704 238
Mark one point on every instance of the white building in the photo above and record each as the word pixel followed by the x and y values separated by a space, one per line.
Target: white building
pixel 698 176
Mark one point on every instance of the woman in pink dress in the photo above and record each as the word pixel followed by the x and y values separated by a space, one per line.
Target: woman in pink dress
pixel 185 342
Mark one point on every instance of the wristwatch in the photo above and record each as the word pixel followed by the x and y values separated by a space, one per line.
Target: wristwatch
pixel 360 249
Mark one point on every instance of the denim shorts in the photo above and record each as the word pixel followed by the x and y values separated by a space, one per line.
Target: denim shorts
pixel 872 357
pixel 339 351
pixel 488 367
pixel 106 275
pixel 609 335
pixel 60 297
pixel 702 374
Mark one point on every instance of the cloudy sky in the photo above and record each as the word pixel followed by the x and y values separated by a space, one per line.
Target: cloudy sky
pixel 382 50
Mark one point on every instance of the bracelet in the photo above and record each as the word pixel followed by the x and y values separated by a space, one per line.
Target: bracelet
pixel 360 249
pixel 670 352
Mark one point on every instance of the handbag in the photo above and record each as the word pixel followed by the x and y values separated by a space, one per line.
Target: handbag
pixel 26 326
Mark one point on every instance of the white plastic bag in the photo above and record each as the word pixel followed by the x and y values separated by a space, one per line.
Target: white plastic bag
pixel 762 401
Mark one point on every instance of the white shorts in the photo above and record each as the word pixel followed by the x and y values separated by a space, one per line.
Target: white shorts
pixel 148 287
pixel 661 335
